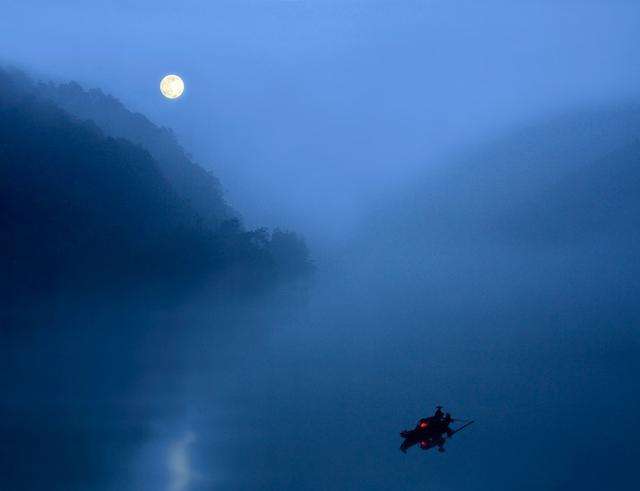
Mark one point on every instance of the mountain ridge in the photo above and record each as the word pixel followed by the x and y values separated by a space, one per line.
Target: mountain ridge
pixel 84 211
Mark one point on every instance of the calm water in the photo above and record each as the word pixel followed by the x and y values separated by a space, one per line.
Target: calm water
pixel 191 397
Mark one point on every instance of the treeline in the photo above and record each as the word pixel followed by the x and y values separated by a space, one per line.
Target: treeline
pixel 192 182
pixel 84 211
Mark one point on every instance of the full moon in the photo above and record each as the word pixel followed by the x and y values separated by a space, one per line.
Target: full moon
pixel 171 86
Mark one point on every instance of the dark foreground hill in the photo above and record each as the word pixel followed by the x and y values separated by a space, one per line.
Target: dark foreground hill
pixel 193 183
pixel 83 211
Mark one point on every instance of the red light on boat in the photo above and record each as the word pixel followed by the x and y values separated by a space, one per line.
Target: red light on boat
pixel 424 424
pixel 423 444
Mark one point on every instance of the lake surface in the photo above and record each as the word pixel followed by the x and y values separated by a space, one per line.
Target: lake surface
pixel 189 397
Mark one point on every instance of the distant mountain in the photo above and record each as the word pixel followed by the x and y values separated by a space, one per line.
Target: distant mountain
pixel 566 178
pixel 599 199
pixel 84 211
pixel 542 216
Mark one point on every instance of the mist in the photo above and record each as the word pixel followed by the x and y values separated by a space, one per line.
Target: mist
pixel 465 177
pixel 332 103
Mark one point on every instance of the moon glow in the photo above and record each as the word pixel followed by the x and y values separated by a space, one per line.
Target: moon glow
pixel 171 86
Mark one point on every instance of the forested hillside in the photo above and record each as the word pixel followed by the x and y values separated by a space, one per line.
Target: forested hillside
pixel 87 212
pixel 190 181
